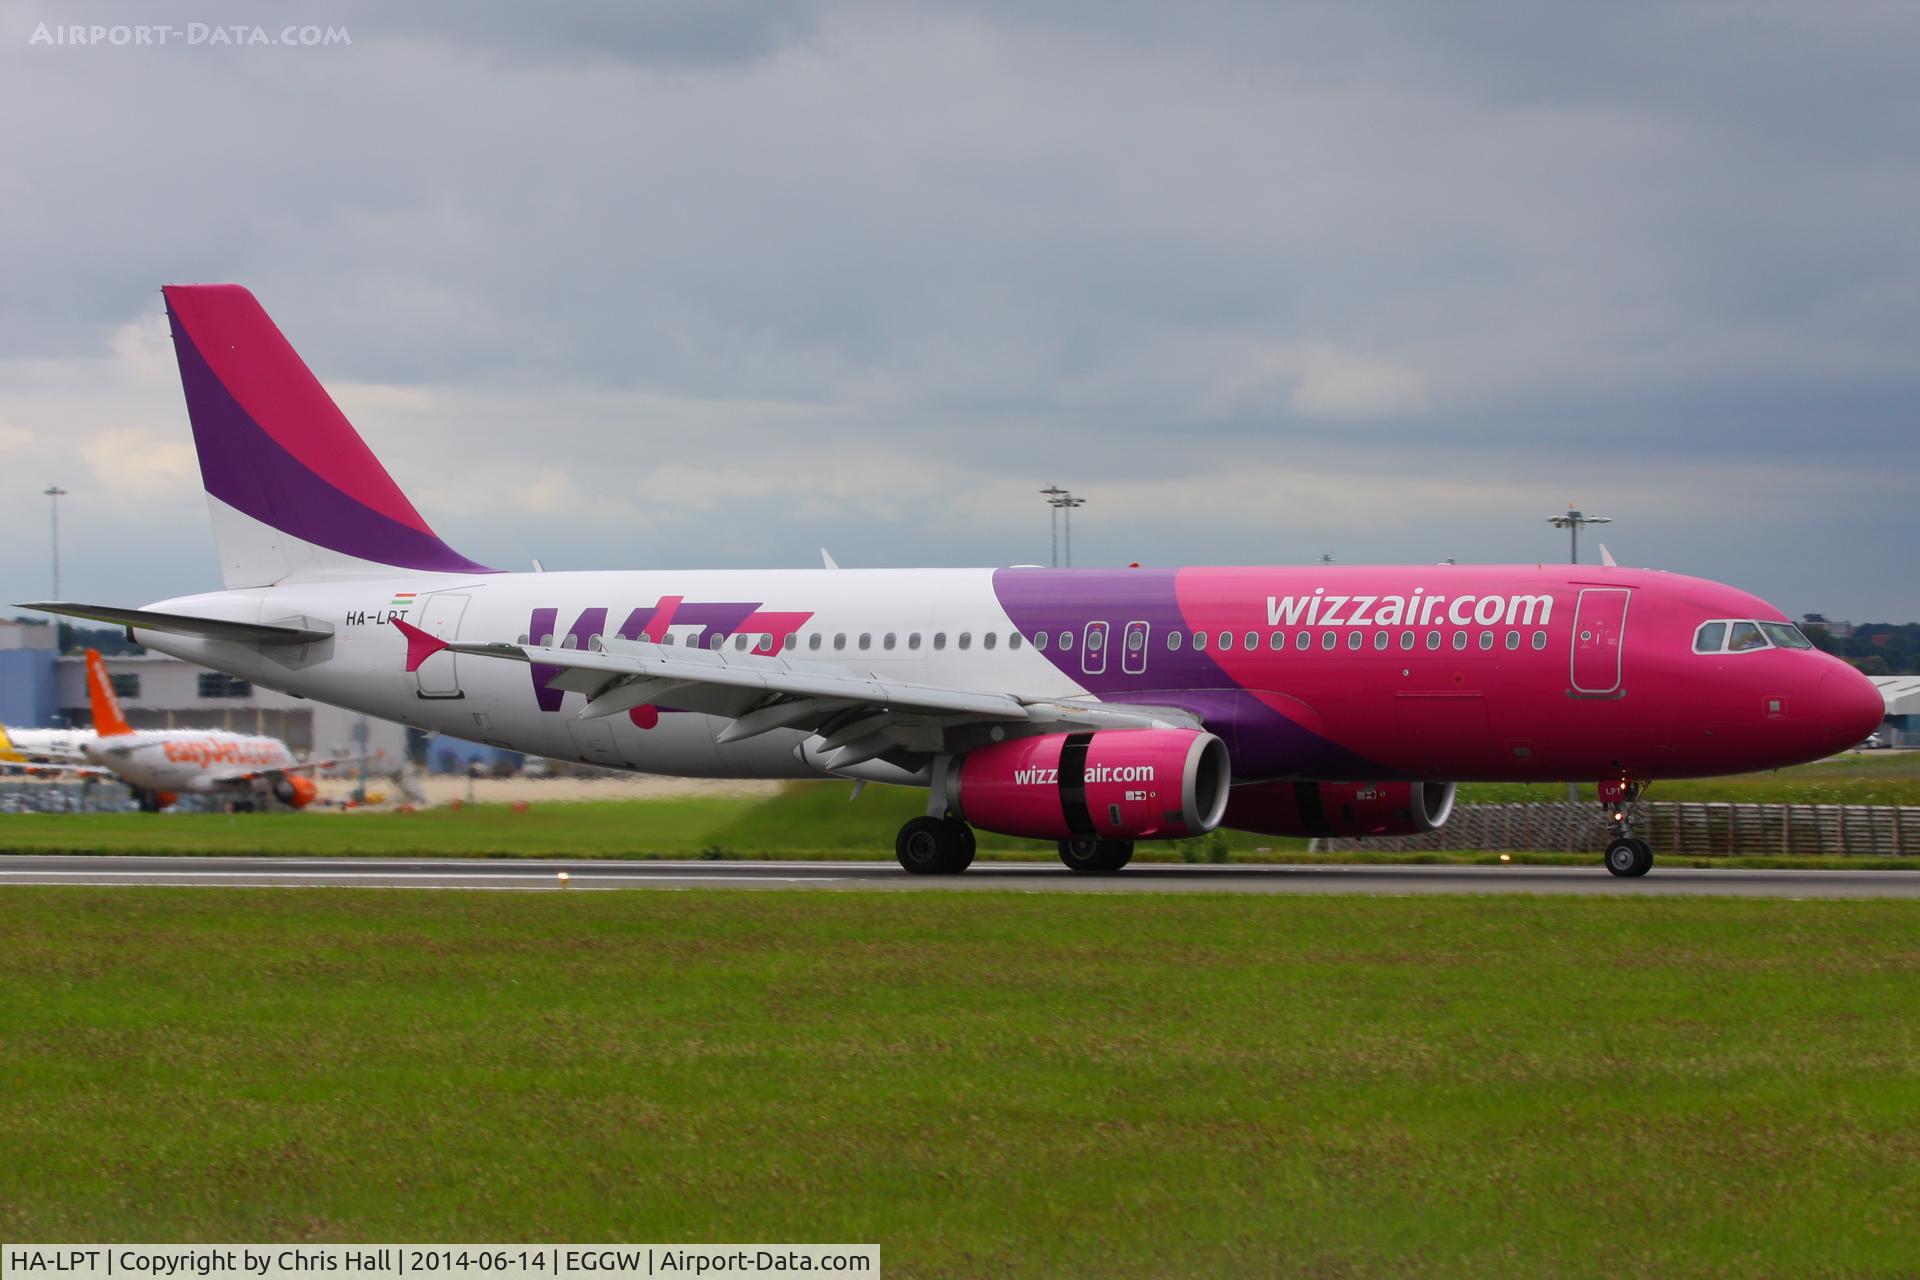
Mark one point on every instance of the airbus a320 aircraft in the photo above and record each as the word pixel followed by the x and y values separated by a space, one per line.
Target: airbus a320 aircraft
pixel 159 765
pixel 1092 707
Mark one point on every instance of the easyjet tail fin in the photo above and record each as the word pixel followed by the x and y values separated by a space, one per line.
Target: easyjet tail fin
pixel 108 719
pixel 296 495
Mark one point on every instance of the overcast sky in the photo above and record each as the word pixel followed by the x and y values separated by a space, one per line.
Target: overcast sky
pixel 714 283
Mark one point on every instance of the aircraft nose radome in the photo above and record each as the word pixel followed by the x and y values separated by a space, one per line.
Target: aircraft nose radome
pixel 1853 703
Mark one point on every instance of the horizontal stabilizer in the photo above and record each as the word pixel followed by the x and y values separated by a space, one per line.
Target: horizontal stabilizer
pixel 181 624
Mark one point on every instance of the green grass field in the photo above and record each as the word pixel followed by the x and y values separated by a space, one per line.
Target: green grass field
pixel 986 1084
pixel 811 820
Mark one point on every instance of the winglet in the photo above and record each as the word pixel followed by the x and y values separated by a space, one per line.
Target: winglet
pixel 421 645
pixel 1606 557
pixel 108 719
pixel 827 559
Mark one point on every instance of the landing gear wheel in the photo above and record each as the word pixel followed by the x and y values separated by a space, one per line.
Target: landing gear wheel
pixel 1629 856
pixel 935 846
pixel 1085 853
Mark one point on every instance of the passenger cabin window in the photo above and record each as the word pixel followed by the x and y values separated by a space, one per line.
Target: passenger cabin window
pixel 1040 641
pixel 939 639
pixel 1745 636
pixel 966 639
pixel 887 641
pixel 1199 641
pixel 813 641
pixel 1173 641
pixel 1013 639
pixel 1066 641
pixel 987 640
pixel 913 640
pixel 1710 638
pixel 1226 639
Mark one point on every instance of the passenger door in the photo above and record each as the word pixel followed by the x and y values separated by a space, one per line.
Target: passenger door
pixel 438 676
pixel 1599 632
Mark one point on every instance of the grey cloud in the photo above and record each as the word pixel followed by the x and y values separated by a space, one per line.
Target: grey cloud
pixel 1008 243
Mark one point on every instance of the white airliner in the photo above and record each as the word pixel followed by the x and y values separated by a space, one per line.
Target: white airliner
pixel 161 765
pixel 1090 707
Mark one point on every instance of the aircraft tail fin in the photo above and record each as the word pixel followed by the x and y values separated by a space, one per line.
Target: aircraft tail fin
pixel 295 493
pixel 108 719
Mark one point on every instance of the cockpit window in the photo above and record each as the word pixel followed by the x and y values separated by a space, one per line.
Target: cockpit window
pixel 1746 635
pixel 1710 638
pixel 1786 635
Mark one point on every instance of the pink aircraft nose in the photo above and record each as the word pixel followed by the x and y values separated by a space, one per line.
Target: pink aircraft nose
pixel 1851 704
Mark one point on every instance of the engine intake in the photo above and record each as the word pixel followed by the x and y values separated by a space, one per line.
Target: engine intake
pixel 1340 808
pixel 1116 784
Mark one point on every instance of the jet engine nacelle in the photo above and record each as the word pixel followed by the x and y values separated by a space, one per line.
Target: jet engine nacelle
pixel 1115 784
pixel 294 791
pixel 1340 808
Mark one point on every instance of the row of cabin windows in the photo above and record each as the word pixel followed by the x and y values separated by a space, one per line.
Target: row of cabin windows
pixel 1329 640
pixel 763 642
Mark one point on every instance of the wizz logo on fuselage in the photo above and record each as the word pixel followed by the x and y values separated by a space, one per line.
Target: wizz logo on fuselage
pixel 695 624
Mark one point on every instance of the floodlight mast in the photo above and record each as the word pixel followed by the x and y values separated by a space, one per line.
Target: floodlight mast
pixel 1061 500
pixel 54 493
pixel 1053 493
pixel 1572 522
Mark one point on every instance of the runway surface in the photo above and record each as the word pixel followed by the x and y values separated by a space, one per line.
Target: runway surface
pixel 1038 877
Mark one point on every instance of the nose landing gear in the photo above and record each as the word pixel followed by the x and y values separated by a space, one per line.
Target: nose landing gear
pixel 1627 854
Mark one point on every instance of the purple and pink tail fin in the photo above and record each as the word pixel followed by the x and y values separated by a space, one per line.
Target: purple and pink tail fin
pixel 296 495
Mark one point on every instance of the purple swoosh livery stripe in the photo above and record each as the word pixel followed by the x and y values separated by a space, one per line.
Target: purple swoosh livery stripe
pixel 1263 740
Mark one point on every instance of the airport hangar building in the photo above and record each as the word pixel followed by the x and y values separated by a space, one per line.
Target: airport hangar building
pixel 40 687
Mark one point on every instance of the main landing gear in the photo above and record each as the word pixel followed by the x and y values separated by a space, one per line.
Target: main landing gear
pixel 1627 854
pixel 1088 854
pixel 944 847
pixel 935 846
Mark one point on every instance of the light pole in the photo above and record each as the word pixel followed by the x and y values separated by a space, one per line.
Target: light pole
pixel 1053 493
pixel 1067 504
pixel 1571 522
pixel 54 493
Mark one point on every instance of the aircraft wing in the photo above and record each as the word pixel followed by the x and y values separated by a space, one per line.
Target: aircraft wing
pixel 56 766
pixel 857 716
pixel 234 776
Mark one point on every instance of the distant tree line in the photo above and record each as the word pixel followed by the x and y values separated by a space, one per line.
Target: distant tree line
pixel 111 641
pixel 1877 648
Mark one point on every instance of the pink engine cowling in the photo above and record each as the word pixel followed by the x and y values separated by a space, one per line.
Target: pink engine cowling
pixel 1340 808
pixel 1116 784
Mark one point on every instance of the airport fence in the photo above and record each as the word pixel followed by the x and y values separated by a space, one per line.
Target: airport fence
pixel 36 795
pixel 1678 828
